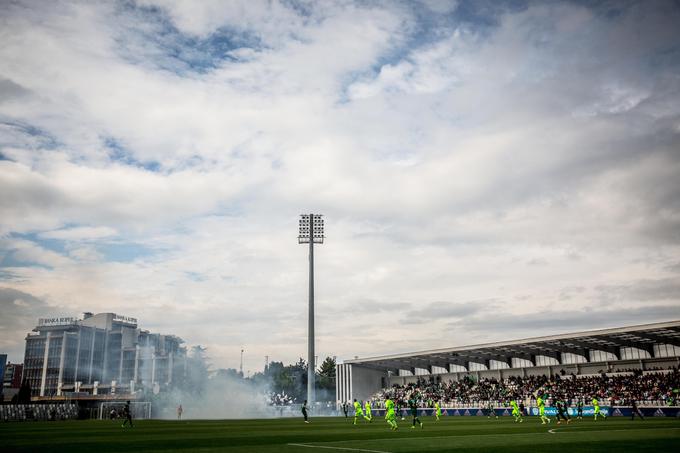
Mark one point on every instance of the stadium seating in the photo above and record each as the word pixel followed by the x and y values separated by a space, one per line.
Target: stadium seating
pixel 651 388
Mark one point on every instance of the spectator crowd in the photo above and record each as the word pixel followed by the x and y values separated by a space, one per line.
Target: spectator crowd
pixel 658 388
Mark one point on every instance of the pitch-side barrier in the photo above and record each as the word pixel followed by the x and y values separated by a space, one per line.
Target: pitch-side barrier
pixel 588 411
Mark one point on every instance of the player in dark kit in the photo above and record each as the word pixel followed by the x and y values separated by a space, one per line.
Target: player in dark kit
pixel 635 411
pixel 304 411
pixel 562 413
pixel 127 414
pixel 490 410
pixel 414 412
pixel 579 410
pixel 345 408
pixel 399 402
pixel 521 409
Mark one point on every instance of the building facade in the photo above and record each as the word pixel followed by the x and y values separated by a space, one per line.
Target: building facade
pixel 101 354
pixel 12 377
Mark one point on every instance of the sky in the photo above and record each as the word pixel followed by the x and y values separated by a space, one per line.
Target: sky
pixel 487 170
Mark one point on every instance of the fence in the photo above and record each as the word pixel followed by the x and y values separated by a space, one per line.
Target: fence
pixel 22 412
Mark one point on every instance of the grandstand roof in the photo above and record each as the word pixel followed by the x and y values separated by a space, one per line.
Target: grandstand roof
pixel 643 337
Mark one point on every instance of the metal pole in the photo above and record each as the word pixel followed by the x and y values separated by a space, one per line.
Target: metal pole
pixel 310 345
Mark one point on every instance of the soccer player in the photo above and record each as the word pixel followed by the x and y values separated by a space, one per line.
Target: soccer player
pixel 515 411
pixel 357 410
pixel 579 409
pixel 540 402
pixel 390 415
pixel 490 410
pixel 636 410
pixel 562 413
pixel 179 412
pixel 414 412
pixel 521 409
pixel 437 410
pixel 128 415
pixel 345 408
pixel 368 416
pixel 596 407
pixel 304 411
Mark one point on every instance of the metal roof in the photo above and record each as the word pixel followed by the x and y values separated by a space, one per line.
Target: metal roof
pixel 643 337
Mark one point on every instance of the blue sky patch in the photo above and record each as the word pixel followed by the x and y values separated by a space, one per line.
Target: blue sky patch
pixel 160 43
pixel 120 153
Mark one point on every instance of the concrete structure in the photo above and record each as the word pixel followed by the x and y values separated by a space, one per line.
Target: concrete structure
pixel 608 350
pixel 100 354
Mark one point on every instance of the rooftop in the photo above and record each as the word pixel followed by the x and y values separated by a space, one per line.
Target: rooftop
pixel 643 337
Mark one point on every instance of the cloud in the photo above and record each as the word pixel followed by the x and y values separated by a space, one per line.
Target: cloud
pixel 80 233
pixel 154 156
pixel 20 313
pixel 642 291
pixel 564 321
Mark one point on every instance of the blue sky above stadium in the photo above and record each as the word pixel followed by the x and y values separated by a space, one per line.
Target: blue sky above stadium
pixel 488 170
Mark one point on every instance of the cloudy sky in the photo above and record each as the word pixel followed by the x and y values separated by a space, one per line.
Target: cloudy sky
pixel 487 170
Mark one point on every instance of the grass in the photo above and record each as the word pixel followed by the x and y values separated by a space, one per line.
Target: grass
pixel 460 434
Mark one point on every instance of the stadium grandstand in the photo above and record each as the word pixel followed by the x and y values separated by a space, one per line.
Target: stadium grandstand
pixel 635 357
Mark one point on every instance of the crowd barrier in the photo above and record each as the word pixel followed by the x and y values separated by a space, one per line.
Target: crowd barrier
pixel 23 412
pixel 588 411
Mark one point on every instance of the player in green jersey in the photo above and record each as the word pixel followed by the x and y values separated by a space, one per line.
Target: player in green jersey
pixel 515 411
pixel 437 410
pixel 390 415
pixel 414 412
pixel 368 416
pixel 540 402
pixel 596 407
pixel 357 411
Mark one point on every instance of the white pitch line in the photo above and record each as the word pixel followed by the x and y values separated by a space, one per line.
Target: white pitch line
pixel 338 448
pixel 388 439
pixel 574 431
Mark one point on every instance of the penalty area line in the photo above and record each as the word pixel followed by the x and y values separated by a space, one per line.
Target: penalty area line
pixel 338 448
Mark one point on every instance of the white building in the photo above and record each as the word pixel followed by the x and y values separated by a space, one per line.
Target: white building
pixel 100 354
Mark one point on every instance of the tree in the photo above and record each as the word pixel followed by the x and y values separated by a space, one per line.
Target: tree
pixel 24 395
pixel 325 384
pixel 327 373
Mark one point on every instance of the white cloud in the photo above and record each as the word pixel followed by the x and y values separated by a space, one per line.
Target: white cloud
pixel 80 233
pixel 167 154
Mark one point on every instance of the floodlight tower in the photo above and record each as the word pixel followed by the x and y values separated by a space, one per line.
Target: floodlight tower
pixel 311 232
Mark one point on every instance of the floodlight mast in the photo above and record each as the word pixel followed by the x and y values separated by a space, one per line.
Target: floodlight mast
pixel 311 232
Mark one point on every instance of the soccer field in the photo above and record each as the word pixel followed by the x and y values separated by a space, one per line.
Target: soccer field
pixel 338 434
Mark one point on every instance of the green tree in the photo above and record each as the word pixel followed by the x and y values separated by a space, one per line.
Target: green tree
pixel 327 373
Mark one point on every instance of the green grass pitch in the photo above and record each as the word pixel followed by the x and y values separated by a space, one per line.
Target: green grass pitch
pixel 459 434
